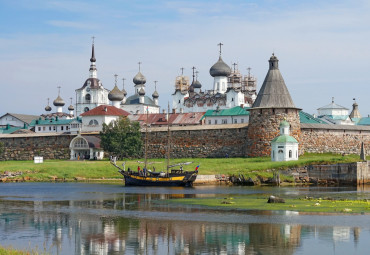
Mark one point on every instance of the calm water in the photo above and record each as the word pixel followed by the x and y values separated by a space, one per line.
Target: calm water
pixel 78 218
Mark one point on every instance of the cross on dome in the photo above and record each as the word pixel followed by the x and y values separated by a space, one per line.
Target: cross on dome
pixel 220 44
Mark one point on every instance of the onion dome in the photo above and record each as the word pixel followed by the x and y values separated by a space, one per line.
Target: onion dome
pixel 124 92
pixel 139 79
pixel 155 94
pixel 115 94
pixel 71 108
pixel 48 108
pixel 59 101
pixel 220 68
pixel 196 84
pixel 191 88
pixel 284 123
pixel 141 92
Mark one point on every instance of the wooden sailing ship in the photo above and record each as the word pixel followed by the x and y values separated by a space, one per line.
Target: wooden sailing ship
pixel 170 177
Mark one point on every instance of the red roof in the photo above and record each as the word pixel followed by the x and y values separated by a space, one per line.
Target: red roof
pixel 193 118
pixel 105 110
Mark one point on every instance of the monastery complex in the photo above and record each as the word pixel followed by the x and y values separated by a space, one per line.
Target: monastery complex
pixel 228 118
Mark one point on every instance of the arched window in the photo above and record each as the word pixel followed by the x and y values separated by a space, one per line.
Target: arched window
pixel 88 97
pixel 290 153
pixel 80 143
pixel 86 109
pixel 93 123
pixel 273 154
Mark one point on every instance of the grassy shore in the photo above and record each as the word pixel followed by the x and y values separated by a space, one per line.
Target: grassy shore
pixel 90 170
pixel 12 251
pixel 315 205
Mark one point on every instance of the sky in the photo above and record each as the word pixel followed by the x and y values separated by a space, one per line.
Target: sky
pixel 322 47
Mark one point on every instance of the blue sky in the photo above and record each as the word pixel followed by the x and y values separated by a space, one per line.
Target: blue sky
pixel 323 46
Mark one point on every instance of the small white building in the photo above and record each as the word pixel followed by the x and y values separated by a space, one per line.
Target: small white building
pixel 334 114
pixel 86 147
pixel 92 121
pixel 284 147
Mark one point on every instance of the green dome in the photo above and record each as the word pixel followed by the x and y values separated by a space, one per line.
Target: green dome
pixel 284 123
pixel 284 139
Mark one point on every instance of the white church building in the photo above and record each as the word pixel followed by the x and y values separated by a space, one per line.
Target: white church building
pixel 230 89
pixel 284 147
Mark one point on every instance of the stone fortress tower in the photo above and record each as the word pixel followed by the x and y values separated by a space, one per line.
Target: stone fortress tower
pixel 272 105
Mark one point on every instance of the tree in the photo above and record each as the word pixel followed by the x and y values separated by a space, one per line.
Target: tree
pixel 122 138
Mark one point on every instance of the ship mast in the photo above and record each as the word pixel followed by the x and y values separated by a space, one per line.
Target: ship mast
pixel 146 139
pixel 168 139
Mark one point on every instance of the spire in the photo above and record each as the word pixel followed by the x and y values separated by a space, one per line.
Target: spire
pixel 93 59
pixel 123 87
pixel 93 70
pixel 48 108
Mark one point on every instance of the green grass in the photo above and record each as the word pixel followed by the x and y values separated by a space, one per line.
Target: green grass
pixel 300 205
pixel 249 167
pixel 12 251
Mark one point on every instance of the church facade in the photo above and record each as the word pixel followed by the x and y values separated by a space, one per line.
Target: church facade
pixel 230 89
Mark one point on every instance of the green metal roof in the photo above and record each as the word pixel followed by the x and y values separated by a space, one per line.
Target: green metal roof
pixel 309 119
pixel 9 130
pixel 284 139
pixel 235 111
pixel 364 121
pixel 52 122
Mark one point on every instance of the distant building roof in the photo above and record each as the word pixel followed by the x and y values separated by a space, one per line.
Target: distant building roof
pixel 9 130
pixel 93 141
pixel 52 121
pixel 332 105
pixel 177 119
pixel 105 110
pixel 235 111
pixel 364 121
pixel 135 100
pixel 308 118
pixel 23 117
pixel 56 114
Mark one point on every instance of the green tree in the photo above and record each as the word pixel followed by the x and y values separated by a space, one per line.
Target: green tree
pixel 122 138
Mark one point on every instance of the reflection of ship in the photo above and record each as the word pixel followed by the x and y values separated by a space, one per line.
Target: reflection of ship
pixel 172 177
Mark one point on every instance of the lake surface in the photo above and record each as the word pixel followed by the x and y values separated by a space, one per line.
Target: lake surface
pixel 82 218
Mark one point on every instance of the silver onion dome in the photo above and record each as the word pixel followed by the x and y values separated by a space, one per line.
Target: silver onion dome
pixel 220 68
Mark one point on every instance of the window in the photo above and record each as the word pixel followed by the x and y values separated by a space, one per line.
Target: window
pixel 224 121
pixel 93 123
pixel 49 128
pixel 43 128
pixel 218 86
pixel 179 101
pixel 215 121
pixel 223 86
pixel 54 128
pixel 235 121
pixel 80 143
pixel 39 128
pixel 88 98
pixel 290 153
pixel 209 122
pixel 61 128
pixel 242 120
pixel 67 127
pixel 86 109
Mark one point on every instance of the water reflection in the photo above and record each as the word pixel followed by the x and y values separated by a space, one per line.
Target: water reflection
pixel 115 222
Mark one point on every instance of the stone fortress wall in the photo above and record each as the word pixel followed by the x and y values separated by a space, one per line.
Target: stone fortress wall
pixel 196 141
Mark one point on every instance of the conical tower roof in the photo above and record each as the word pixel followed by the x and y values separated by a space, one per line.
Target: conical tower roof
pixel 273 93
pixel 355 112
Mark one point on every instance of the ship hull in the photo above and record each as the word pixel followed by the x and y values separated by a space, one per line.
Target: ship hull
pixel 185 180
